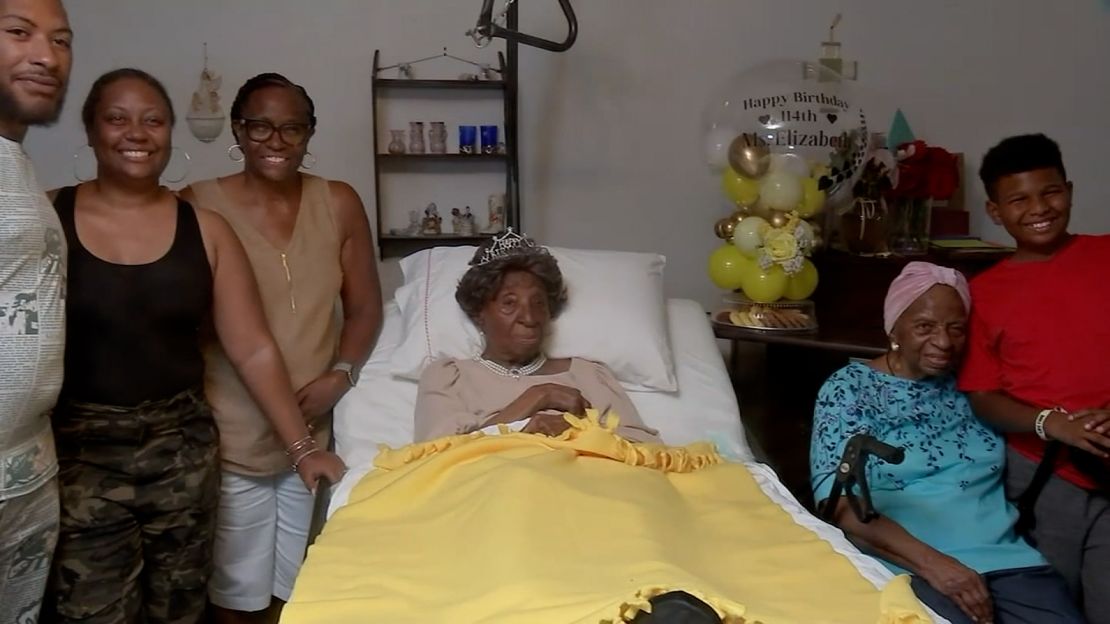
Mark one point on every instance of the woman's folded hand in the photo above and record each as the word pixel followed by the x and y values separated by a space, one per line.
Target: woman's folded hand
pixel 548 424
pixel 961 584
pixel 560 398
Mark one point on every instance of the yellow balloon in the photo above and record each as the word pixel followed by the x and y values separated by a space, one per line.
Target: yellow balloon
pixel 765 286
pixel 727 267
pixel 749 271
pixel 813 198
pixel 740 190
pixel 802 284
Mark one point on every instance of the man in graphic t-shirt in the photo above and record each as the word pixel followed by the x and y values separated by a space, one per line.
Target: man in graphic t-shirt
pixel 35 58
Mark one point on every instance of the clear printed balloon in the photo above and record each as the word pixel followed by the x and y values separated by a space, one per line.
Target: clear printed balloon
pixel 798 124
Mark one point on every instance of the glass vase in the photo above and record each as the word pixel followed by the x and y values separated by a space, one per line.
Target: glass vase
pixel 909 225
pixel 397 142
pixel 416 137
pixel 863 226
pixel 437 138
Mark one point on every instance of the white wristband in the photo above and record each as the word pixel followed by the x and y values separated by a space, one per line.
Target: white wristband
pixel 1038 425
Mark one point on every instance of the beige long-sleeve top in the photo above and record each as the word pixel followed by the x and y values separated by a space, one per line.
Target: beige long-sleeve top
pixel 461 396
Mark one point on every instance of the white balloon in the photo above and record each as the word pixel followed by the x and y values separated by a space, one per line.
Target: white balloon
pixel 797 107
pixel 717 141
pixel 790 163
pixel 748 235
pixel 780 190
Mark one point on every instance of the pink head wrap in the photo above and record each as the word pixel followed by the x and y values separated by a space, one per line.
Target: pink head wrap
pixel 913 281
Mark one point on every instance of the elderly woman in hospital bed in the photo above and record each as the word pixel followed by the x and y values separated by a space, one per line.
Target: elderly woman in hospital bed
pixel 532 491
pixel 512 292
pixel 944 517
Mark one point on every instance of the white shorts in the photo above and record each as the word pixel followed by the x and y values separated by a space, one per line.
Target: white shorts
pixel 261 537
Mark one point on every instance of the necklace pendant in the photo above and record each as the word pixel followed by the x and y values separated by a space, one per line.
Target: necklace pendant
pixel 515 373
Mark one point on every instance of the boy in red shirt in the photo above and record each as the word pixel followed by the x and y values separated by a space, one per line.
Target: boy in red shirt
pixel 1038 362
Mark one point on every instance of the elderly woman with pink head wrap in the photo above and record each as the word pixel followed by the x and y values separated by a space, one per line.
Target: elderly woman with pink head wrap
pixel 944 518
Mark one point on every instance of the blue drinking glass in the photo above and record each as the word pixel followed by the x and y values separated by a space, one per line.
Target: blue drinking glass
pixel 489 139
pixel 468 139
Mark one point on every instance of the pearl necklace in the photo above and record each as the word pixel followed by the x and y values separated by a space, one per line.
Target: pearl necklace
pixel 516 372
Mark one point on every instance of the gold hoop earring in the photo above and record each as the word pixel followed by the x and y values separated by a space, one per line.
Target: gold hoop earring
pixel 231 153
pixel 188 165
pixel 305 164
pixel 77 162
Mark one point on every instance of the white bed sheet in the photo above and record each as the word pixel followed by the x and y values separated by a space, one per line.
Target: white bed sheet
pixel 379 411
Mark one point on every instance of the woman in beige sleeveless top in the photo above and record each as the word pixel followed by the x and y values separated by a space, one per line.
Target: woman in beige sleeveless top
pixel 309 242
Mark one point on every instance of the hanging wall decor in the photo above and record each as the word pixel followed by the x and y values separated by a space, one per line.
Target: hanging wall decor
pixel 206 117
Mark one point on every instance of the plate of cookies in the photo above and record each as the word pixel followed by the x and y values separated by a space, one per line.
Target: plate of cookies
pixel 778 317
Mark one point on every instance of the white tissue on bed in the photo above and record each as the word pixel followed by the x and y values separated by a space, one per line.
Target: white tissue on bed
pixel 513 426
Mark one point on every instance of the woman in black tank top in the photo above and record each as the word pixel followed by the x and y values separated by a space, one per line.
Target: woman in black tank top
pixel 137 446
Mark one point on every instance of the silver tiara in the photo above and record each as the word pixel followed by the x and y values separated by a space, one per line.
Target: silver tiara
pixel 509 243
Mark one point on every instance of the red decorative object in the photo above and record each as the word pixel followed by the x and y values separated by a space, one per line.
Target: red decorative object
pixel 925 172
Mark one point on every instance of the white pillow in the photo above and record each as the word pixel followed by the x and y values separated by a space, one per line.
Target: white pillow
pixel 615 314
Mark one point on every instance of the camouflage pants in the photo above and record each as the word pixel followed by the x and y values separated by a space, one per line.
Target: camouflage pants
pixel 139 489
pixel 28 530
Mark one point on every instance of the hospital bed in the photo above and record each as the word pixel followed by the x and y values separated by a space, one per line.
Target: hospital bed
pixel 379 411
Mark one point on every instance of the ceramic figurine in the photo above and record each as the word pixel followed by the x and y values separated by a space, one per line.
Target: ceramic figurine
pixel 487 72
pixel 496 214
pixel 432 225
pixel 462 222
pixel 413 228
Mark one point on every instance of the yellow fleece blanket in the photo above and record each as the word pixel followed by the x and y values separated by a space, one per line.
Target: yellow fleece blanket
pixel 584 528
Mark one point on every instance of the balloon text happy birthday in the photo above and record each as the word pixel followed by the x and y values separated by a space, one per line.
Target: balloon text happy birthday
pixel 798 97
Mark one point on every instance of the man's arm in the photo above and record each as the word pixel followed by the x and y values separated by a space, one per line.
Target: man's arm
pixel 1086 429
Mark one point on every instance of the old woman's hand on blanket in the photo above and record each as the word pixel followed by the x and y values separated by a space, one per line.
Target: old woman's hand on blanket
pixel 552 401
pixel 561 398
pixel 550 424
pixel 961 584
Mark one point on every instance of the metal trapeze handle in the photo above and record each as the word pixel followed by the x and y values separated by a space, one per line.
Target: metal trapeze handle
pixel 487 29
pixel 852 471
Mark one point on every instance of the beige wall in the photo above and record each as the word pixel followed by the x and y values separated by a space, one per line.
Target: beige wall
pixel 610 150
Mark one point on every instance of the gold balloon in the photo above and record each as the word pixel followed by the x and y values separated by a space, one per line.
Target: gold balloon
pixel 779 219
pixel 724 228
pixel 749 159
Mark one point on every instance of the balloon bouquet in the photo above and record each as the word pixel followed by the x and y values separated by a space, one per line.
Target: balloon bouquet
pixel 789 140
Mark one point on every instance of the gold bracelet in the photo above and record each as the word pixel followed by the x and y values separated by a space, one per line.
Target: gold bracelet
pixel 300 458
pixel 300 445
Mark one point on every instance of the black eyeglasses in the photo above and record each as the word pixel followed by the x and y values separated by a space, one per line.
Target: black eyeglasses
pixel 260 130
